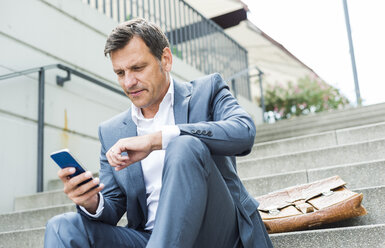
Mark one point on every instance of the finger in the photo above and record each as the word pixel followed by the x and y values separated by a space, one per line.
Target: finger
pixel 118 149
pixel 133 157
pixel 117 159
pixel 63 174
pixel 93 192
pixel 122 160
pixel 112 161
pixel 111 156
pixel 75 181
pixel 79 200
pixel 86 187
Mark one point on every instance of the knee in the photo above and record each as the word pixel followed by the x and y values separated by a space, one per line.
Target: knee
pixel 66 230
pixel 58 222
pixel 184 149
pixel 187 144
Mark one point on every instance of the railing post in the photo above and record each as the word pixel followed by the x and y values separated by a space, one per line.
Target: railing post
pixel 40 132
pixel 262 97
pixel 245 54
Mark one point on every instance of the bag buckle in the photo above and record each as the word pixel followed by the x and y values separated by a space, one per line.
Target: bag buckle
pixel 327 193
pixel 274 211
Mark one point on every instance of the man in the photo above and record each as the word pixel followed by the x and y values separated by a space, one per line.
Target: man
pixel 168 162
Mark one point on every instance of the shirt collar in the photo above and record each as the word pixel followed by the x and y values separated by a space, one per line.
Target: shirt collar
pixel 136 113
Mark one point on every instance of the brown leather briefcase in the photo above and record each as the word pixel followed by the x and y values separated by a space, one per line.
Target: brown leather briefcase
pixel 309 205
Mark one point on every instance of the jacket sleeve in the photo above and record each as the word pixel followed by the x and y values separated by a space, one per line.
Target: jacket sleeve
pixel 229 130
pixel 114 199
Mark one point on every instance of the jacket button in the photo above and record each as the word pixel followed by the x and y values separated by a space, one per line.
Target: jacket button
pixel 193 131
pixel 199 131
pixel 209 133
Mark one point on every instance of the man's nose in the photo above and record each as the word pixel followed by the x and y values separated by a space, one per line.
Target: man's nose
pixel 129 81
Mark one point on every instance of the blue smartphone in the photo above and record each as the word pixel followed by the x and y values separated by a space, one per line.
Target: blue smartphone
pixel 65 159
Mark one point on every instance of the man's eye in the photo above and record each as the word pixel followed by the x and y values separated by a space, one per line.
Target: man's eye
pixel 138 68
pixel 120 73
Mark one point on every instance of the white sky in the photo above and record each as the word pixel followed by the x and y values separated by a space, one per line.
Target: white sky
pixel 315 32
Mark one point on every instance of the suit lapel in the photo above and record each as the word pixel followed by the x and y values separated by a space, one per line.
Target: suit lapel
pixel 182 96
pixel 134 172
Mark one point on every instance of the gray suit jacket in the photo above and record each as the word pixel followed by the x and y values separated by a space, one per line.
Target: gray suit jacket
pixel 203 108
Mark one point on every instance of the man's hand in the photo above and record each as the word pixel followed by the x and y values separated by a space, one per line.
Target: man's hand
pixel 85 195
pixel 137 148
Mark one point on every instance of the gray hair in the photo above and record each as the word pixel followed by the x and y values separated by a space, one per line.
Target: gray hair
pixel 149 32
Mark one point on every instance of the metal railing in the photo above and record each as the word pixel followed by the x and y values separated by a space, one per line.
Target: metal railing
pixel 41 97
pixel 193 38
pixel 246 71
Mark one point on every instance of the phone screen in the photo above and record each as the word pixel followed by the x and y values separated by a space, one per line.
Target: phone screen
pixel 64 159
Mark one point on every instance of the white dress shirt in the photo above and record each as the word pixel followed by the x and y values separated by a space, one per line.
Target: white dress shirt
pixel 152 165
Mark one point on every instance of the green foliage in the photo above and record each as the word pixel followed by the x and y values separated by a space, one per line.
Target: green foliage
pixel 306 96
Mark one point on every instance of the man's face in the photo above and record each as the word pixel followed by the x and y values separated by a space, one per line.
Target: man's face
pixel 143 78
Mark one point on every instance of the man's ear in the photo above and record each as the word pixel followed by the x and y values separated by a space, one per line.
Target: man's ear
pixel 167 59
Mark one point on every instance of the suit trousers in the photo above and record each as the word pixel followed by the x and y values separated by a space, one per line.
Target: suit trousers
pixel 195 209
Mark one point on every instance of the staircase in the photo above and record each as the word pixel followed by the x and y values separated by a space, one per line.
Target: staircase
pixel 348 143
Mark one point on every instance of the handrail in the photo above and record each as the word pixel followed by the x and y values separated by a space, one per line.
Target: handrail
pixel 60 81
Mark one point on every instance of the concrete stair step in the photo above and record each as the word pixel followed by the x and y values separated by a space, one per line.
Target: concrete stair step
pixel 31 238
pixel 321 122
pixel 320 158
pixel 373 201
pixel 38 217
pixel 40 200
pixel 352 237
pixel 332 113
pixel 346 114
pixel 316 141
pixel 57 184
pixel 361 133
pixel 291 145
pixel 33 218
pixel 357 175
pixel 311 128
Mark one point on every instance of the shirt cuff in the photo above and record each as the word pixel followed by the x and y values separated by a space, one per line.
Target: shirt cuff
pixel 169 133
pixel 99 210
